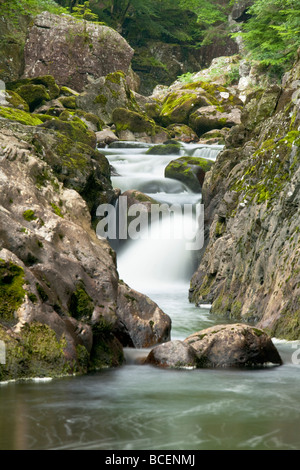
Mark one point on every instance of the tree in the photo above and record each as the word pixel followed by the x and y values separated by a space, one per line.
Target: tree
pixel 272 34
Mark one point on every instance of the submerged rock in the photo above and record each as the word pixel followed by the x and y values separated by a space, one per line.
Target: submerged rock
pixel 220 346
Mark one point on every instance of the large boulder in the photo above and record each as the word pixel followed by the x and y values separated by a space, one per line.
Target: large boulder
pixel 233 345
pixel 74 51
pixel 220 346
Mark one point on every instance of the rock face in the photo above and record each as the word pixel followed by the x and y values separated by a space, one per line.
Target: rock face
pixel 233 345
pixel 250 268
pixel 61 303
pixel 74 51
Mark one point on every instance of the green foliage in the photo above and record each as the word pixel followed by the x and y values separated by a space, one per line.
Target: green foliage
pixel 11 289
pixel 271 35
pixel 84 12
pixel 13 9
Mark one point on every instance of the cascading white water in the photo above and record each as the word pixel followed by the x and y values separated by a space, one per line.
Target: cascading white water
pixel 162 259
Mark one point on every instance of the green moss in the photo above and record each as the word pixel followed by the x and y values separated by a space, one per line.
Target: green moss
pixel 90 118
pixel 29 215
pixel 287 326
pixel 81 305
pixel 165 149
pixel 19 116
pixel 34 352
pixel 107 351
pixel 45 83
pixel 125 119
pixel 12 292
pixel 75 130
pixel 220 228
pixel 56 210
pixel 269 171
pixel 101 99
pixel 177 107
pixel 68 102
pixel 34 95
pixel 115 77
pixel 15 101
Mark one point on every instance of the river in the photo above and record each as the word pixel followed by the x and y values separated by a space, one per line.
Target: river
pixel 138 407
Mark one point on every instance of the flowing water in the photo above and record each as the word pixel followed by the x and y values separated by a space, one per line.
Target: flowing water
pixel 138 407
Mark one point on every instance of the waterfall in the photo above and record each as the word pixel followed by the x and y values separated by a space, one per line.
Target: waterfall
pixel 161 258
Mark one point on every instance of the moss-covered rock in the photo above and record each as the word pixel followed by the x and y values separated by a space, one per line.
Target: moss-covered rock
pixel 169 148
pixel 12 292
pixel 189 170
pixel 178 106
pixel 33 94
pixel 68 102
pixel 91 121
pixel 74 130
pixel 12 99
pixel 106 94
pixel 77 165
pixel 182 132
pixel 33 352
pixel 19 116
pixel 209 118
pixel 125 119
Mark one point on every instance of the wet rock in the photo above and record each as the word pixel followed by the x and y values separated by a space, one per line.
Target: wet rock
pixel 233 345
pixel 141 323
pixel 173 355
pixel 73 51
pixel 189 170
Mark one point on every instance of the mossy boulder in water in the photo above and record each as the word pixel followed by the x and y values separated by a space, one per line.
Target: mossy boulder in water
pixel 169 148
pixel 189 170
